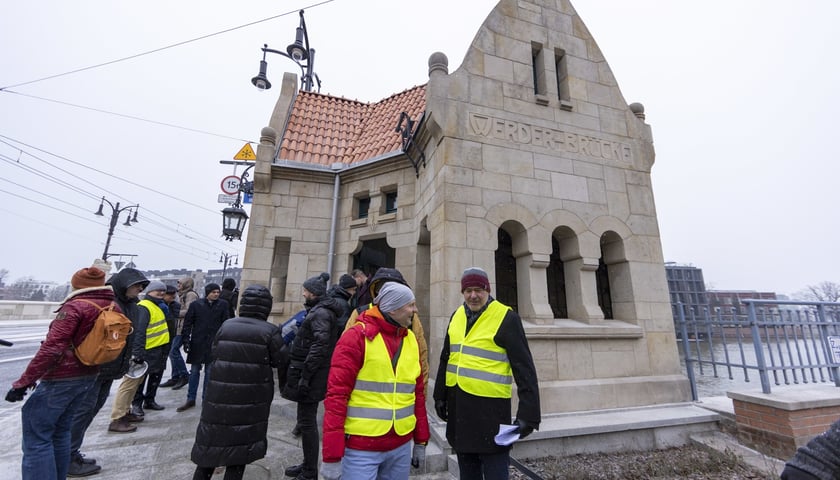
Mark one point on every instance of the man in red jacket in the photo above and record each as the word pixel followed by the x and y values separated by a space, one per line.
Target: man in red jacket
pixel 375 404
pixel 64 380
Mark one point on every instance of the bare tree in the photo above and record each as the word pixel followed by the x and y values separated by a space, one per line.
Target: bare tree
pixel 3 274
pixel 821 292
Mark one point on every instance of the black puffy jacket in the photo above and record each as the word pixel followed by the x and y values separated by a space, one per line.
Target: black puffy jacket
pixel 234 415
pixel 311 351
pixel 120 282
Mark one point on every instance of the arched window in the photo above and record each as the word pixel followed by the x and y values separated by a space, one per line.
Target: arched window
pixel 506 291
pixel 613 298
pixel 556 281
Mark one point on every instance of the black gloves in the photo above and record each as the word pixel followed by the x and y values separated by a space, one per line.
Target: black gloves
pixel 440 409
pixel 525 429
pixel 186 346
pixel 16 394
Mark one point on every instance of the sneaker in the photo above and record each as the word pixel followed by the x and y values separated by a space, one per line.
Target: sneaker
pixel 121 426
pixel 169 383
pixel 186 406
pixel 181 383
pixel 294 470
pixel 78 467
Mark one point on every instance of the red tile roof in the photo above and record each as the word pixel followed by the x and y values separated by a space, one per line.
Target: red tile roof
pixel 324 130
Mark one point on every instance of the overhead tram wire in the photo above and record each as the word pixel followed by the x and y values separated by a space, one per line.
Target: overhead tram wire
pixel 72 187
pixel 160 49
pixel 151 240
pixel 33 220
pixel 130 117
pixel 111 175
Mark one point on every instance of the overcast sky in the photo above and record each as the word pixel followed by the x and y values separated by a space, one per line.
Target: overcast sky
pixel 741 95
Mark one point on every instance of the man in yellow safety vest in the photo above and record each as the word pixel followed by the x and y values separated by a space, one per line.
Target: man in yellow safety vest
pixel 484 351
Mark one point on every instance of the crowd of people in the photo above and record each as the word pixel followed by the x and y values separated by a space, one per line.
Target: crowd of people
pixel 358 346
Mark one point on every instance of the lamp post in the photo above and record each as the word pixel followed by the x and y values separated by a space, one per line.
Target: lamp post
pixel 298 52
pixel 235 217
pixel 225 259
pixel 115 216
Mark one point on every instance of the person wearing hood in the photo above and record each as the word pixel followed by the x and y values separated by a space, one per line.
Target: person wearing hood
pixel 309 364
pixel 376 404
pixel 372 286
pixel 230 294
pixel 46 418
pixel 234 418
pixel 127 285
pixel 150 333
pixel 157 347
pixel 202 321
pixel 180 374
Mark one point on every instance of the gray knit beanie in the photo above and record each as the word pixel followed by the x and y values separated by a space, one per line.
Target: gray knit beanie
pixel 393 296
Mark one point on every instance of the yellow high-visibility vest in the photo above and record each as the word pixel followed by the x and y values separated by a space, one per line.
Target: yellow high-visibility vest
pixel 382 397
pixel 476 364
pixel 157 333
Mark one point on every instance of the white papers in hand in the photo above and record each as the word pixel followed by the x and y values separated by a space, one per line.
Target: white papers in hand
pixel 507 434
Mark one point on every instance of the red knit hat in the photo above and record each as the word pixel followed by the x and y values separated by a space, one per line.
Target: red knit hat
pixel 475 277
pixel 88 277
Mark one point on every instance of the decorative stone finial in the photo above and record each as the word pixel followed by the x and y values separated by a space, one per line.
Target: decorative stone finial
pixel 638 109
pixel 268 136
pixel 438 63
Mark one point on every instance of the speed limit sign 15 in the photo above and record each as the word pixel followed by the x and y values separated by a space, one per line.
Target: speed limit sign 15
pixel 230 184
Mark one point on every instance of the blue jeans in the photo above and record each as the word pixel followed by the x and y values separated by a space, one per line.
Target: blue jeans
pixel 366 465
pixel 179 368
pixel 46 419
pixel 489 466
pixel 90 405
pixel 195 373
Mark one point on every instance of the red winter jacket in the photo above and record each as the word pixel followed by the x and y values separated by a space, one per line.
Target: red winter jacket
pixel 346 362
pixel 74 320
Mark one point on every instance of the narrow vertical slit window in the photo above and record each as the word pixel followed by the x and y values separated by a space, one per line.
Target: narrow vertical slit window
pixel 561 70
pixel 538 71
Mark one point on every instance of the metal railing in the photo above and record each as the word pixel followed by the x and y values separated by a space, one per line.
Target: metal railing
pixel 790 342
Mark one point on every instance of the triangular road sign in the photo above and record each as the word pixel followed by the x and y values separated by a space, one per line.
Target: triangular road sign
pixel 245 153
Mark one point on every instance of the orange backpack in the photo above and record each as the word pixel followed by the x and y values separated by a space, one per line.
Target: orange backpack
pixel 106 339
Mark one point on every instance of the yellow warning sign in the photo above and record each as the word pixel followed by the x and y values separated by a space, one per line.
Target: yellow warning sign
pixel 245 153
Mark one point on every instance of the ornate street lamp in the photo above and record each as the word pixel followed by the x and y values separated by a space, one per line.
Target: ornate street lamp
pixel 115 216
pixel 234 217
pixel 298 52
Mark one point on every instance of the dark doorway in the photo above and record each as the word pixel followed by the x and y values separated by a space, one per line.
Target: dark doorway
pixel 556 280
pixel 374 254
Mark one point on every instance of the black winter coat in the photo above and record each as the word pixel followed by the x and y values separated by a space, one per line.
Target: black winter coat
pixel 201 323
pixel 311 351
pixel 120 282
pixel 234 415
pixel 473 420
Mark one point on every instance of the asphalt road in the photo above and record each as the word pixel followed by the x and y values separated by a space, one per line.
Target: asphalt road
pixel 26 336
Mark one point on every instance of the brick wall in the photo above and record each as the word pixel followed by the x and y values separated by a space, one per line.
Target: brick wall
pixel 779 432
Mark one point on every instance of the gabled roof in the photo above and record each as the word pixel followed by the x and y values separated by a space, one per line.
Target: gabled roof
pixel 323 129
